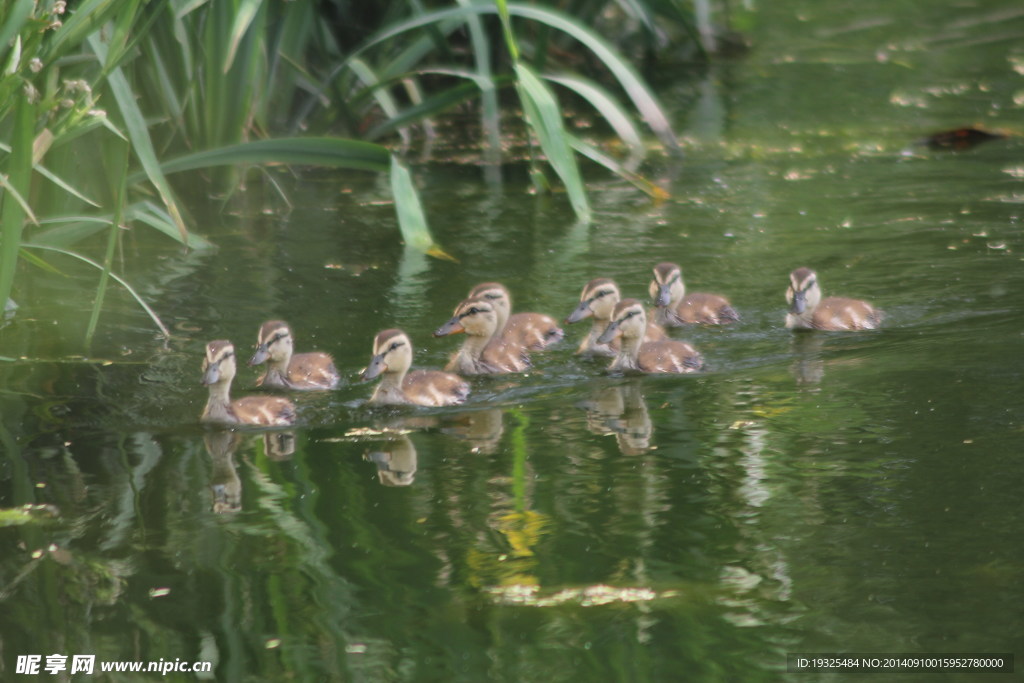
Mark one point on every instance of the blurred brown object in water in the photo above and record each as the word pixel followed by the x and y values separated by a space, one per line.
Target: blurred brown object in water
pixel 960 138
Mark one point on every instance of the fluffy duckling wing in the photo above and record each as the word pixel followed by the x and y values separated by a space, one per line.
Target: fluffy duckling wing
pixel 314 370
pixel 435 388
pixel 534 331
pixel 839 313
pixel 705 309
pixel 669 356
pixel 266 411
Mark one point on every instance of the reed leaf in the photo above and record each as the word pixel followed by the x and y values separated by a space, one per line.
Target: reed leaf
pixel 411 219
pixel 119 170
pixel 244 15
pixel 605 105
pixel 545 118
pixel 16 185
pixel 314 151
pixel 597 156
pixel 16 17
pixel 138 133
pixel 114 276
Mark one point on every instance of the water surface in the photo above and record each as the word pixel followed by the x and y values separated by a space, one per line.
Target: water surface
pixel 806 493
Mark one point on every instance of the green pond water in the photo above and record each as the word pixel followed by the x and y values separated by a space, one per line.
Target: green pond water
pixel 850 492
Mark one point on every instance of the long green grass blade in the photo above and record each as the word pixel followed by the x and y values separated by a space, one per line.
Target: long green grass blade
pixel 16 187
pixel 490 116
pixel 380 94
pixel 545 118
pixel 119 170
pixel 599 157
pixel 17 14
pixel 138 133
pixel 337 152
pixel 433 105
pixel 411 219
pixel 605 105
pixel 135 295
pixel 244 15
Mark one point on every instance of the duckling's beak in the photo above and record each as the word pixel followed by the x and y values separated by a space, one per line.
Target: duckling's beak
pixel 453 326
pixel 211 374
pixel 260 356
pixel 582 311
pixel 799 302
pixel 663 296
pixel 376 366
pixel 610 333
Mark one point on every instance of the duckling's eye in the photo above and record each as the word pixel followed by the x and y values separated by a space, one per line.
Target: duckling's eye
pixel 277 337
pixel 472 311
pixel 492 297
pixel 395 345
pixel 603 293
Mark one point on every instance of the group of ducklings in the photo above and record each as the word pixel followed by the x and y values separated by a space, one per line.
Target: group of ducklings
pixel 498 341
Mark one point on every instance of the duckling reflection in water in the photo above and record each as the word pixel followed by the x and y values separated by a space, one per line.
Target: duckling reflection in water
pixel 808 311
pixel 482 353
pixel 481 428
pixel 218 372
pixel 225 485
pixel 667 356
pixel 677 308
pixel 288 370
pixel 396 461
pixel 598 301
pixel 392 358
pixel 531 331
pixel 621 410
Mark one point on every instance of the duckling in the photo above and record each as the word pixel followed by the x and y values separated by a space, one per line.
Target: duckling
pixel 285 370
pixel 392 356
pixel 482 353
pixel 218 371
pixel 676 308
pixel 532 331
pixel 598 300
pixel 629 321
pixel 808 311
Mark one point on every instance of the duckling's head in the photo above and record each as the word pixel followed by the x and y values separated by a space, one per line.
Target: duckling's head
pixel 598 299
pixel 219 363
pixel 392 352
pixel 628 319
pixel 497 295
pixel 803 293
pixel 667 285
pixel 274 342
pixel 476 317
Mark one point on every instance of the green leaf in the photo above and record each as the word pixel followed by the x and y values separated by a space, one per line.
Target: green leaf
pixel 13 22
pixel 597 156
pixel 605 105
pixel 244 15
pixel 138 133
pixel 336 152
pixel 545 118
pixel 115 277
pixel 17 182
pixel 411 219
